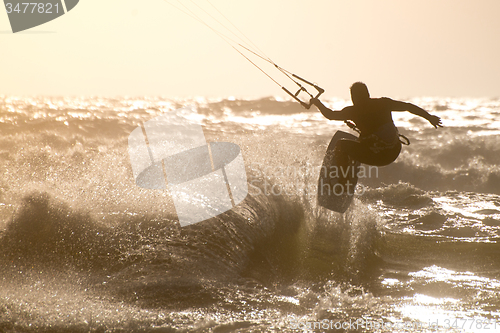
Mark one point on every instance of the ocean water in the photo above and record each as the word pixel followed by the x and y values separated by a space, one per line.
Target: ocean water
pixel 83 249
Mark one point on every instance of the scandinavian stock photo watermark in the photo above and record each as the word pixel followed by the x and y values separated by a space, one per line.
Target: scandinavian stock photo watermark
pixel 303 179
pixel 205 179
pixel 377 325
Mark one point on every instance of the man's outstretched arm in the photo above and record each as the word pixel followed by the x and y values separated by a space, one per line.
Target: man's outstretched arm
pixel 328 113
pixel 412 108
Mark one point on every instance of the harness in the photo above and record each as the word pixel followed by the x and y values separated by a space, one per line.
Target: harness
pixel 403 139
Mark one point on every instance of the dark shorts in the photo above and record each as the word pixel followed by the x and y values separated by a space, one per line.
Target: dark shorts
pixel 372 149
pixel 364 152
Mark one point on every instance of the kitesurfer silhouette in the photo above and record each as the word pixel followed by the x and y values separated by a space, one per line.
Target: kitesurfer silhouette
pixel 378 143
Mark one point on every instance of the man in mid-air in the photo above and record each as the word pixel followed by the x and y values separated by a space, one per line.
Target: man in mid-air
pixel 378 143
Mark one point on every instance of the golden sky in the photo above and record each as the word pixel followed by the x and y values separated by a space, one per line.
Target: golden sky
pixel 130 47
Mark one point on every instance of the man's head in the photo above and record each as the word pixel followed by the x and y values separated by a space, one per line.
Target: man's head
pixel 359 93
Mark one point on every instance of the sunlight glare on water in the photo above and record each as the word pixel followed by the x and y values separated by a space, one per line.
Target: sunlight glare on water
pixel 419 245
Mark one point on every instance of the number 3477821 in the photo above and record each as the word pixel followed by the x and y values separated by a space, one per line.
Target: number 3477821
pixel 32 8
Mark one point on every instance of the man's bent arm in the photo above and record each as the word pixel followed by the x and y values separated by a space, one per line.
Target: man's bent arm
pixel 328 113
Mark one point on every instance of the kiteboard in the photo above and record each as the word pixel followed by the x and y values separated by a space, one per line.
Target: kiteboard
pixel 336 184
